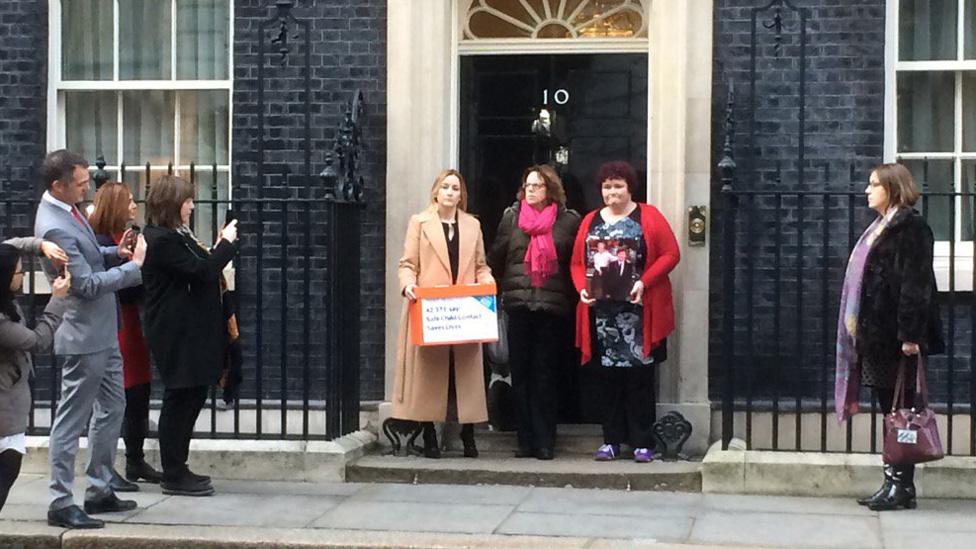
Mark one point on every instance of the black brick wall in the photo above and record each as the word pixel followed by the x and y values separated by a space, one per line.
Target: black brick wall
pixel 23 89
pixel 790 250
pixel 348 53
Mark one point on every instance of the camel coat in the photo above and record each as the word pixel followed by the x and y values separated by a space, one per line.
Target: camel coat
pixel 420 387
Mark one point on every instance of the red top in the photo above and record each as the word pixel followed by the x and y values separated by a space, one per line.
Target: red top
pixel 132 344
pixel 662 257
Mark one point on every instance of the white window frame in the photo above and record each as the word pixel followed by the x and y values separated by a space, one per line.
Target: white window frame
pixel 56 120
pixel 963 280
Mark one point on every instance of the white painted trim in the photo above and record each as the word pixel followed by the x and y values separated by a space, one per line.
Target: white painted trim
pixel 115 42
pixel 125 85
pixel 454 139
pixel 950 65
pixel 891 81
pixel 230 99
pixel 503 46
pixel 53 73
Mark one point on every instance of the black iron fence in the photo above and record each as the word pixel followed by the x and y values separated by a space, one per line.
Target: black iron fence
pixel 298 293
pixel 783 258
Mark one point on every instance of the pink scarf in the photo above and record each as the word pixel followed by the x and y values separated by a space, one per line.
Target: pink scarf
pixel 540 256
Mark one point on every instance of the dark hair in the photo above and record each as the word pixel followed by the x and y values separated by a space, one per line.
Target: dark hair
pixel 111 208
pixel 9 256
pixel 165 199
pixel 58 166
pixel 618 169
pixel 898 182
pixel 554 185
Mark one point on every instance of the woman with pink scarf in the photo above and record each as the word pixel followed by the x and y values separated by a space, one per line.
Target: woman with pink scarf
pixel 530 259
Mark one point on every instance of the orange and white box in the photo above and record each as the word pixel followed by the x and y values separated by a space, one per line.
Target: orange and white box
pixel 450 315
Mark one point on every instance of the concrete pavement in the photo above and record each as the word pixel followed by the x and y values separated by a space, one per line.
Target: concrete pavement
pixel 297 514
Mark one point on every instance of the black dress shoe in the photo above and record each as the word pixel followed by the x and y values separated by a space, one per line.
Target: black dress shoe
pixel 141 470
pixel 119 484
pixel 109 504
pixel 199 478
pixel 72 517
pixel 186 486
pixel 544 454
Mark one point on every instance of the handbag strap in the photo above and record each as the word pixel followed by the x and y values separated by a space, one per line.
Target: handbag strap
pixel 899 399
pixel 921 387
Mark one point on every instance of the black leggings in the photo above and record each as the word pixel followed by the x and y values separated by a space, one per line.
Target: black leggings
pixel 9 471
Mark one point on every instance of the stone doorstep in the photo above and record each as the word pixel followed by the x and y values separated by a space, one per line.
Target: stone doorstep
pixel 818 474
pixel 150 536
pixel 312 461
pixel 577 471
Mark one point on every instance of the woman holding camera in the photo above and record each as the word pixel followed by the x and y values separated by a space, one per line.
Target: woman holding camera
pixel 184 322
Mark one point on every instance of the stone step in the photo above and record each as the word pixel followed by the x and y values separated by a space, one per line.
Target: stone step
pixel 577 471
pixel 570 439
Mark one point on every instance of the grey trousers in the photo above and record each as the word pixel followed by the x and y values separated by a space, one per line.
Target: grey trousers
pixel 91 394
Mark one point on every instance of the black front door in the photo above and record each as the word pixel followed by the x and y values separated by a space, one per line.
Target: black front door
pixel 596 106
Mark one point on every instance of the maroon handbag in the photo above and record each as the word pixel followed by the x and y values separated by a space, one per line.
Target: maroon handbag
pixel 911 434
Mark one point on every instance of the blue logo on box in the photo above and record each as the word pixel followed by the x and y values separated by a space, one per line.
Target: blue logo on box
pixel 488 301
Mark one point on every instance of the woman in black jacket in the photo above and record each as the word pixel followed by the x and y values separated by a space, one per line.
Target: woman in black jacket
pixel 530 259
pixel 888 313
pixel 184 322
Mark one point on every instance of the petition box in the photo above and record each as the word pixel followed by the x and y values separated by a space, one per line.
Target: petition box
pixel 448 315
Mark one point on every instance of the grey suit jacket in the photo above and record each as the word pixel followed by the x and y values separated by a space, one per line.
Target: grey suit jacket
pixel 90 322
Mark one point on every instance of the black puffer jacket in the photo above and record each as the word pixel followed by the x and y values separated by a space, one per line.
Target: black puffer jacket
pixel 898 292
pixel 507 261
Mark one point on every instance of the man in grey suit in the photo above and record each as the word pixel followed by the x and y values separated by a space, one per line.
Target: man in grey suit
pixel 86 344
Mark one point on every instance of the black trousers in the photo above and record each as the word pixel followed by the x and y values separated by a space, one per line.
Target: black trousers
pixel 181 407
pixel 628 399
pixel 9 471
pixel 534 350
pixel 135 425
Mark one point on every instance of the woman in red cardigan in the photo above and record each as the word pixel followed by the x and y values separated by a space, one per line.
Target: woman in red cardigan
pixel 625 312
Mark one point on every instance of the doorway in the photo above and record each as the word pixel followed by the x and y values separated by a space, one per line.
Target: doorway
pixel 574 111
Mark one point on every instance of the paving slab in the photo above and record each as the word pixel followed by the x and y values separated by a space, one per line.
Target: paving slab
pixel 786 530
pixel 440 493
pixel 599 526
pixel 935 539
pixel 415 517
pixel 932 516
pixel 602 502
pixel 785 504
pixel 35 535
pixel 261 510
pixel 295 488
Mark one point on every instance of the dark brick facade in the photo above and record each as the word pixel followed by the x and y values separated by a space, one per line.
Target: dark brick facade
pixel 23 89
pixel 791 252
pixel 348 53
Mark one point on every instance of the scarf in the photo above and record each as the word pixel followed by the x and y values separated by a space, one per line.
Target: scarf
pixel 847 378
pixel 540 256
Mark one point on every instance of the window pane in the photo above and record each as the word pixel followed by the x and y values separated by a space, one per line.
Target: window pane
pixel 136 179
pixel 203 126
pixel 969 111
pixel 203 222
pixel 147 122
pixel 144 40
pixel 934 176
pixel 86 40
pixel 925 111
pixel 202 39
pixel 927 29
pixel 970 25
pixel 91 124
pixel 968 185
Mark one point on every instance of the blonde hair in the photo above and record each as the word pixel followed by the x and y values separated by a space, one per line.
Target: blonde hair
pixel 463 203
pixel 111 208
pixel 898 182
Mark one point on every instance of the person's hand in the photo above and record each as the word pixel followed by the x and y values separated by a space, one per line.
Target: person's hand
pixel 54 253
pixel 139 253
pixel 637 292
pixel 408 292
pixel 61 285
pixel 908 348
pixel 229 232
pixel 585 297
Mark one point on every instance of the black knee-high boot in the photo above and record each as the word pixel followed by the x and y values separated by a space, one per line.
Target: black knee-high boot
pixel 901 492
pixel 885 487
pixel 467 438
pixel 431 449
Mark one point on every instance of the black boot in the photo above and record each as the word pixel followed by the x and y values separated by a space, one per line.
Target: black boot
pixel 431 449
pixel 467 438
pixel 901 493
pixel 885 487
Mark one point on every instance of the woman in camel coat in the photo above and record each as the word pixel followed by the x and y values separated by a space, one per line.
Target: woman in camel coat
pixel 443 246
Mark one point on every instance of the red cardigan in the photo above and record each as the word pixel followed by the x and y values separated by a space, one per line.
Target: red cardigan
pixel 661 258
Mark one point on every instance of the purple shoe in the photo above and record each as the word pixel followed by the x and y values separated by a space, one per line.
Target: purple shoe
pixel 607 452
pixel 643 455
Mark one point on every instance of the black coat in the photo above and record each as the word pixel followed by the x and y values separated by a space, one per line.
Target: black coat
pixel 185 325
pixel 898 293
pixel 507 261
